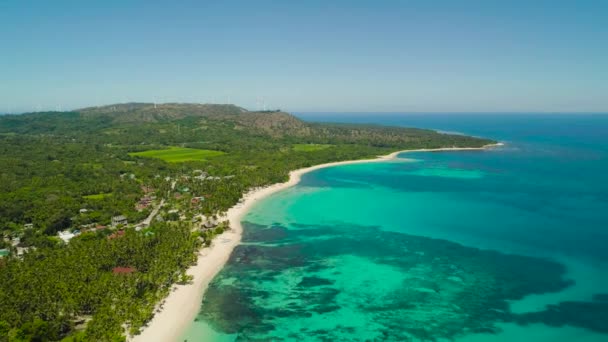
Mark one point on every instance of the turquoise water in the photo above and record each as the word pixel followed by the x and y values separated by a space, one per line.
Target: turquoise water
pixel 500 245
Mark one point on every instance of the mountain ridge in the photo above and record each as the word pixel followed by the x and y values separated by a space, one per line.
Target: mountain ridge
pixel 272 124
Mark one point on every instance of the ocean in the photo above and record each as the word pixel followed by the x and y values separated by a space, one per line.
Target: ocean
pixel 507 244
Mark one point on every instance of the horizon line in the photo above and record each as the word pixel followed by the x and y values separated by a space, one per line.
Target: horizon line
pixel 59 110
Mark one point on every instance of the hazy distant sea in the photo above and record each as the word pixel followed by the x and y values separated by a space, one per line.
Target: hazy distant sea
pixel 509 244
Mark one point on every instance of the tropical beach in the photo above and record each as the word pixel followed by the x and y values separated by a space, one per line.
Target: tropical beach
pixel 304 171
pixel 183 303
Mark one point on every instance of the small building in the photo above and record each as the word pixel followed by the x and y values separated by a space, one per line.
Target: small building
pixel 66 235
pixel 208 222
pixel 120 219
pixel 140 207
pixel 147 189
pixel 197 200
pixel 28 226
pixel 123 270
pixel 22 250
pixel 117 234
pixel 84 211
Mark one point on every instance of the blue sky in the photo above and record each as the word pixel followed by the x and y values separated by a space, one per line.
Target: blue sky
pixel 410 56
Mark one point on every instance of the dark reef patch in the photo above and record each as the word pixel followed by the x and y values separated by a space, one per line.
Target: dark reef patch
pixel 591 315
pixel 600 297
pixel 402 286
pixel 314 281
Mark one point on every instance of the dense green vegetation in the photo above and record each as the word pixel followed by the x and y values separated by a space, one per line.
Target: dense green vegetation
pixel 178 154
pixel 310 147
pixel 74 171
pixel 54 290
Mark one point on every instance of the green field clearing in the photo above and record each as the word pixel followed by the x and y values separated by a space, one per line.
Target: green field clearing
pixel 178 154
pixel 98 196
pixel 310 147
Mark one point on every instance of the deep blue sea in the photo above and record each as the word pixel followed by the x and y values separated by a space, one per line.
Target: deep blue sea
pixel 508 244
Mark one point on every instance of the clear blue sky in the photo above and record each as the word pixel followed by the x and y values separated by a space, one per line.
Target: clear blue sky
pixel 307 55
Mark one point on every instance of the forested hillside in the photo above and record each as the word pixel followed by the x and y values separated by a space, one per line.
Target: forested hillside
pixel 88 222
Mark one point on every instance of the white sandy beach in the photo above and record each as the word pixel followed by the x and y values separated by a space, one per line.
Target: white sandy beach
pixel 182 304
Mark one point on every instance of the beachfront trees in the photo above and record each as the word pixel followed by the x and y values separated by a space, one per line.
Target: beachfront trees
pixel 112 281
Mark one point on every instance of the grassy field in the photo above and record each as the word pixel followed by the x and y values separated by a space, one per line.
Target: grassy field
pixel 310 147
pixel 98 196
pixel 178 154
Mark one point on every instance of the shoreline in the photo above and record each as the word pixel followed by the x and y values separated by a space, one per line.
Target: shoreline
pixel 181 306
